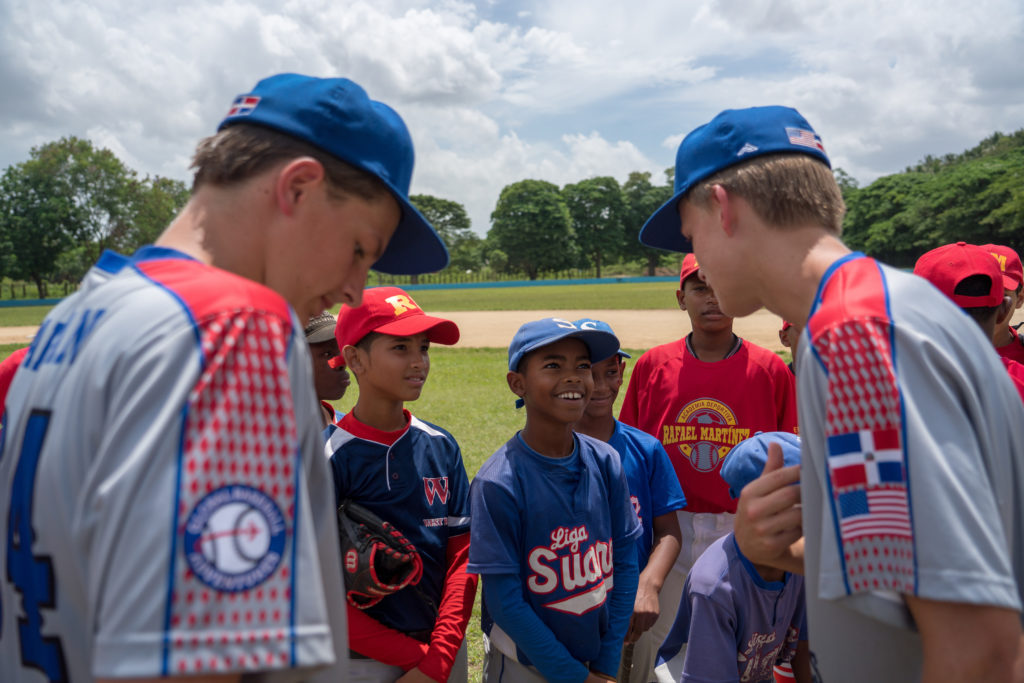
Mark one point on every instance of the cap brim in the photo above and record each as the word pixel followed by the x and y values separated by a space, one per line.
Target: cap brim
pixel 415 247
pixel 438 330
pixel 663 230
pixel 600 345
pixel 325 333
pixel 336 362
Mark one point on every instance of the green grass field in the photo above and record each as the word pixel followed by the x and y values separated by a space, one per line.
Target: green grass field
pixel 466 391
pixel 611 296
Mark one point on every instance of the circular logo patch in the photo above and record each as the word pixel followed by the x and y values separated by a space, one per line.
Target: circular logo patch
pixel 234 538
pixel 713 436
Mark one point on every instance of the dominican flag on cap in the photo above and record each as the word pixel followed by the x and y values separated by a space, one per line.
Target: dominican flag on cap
pixel 243 105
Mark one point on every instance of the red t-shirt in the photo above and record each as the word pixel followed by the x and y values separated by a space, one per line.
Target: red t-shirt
pixel 700 410
pixel 1016 372
pixel 1014 350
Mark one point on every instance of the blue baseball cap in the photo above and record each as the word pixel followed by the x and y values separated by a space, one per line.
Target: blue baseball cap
pixel 591 324
pixel 745 462
pixel 533 335
pixel 732 137
pixel 337 116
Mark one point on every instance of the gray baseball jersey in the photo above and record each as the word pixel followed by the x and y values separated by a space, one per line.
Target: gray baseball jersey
pixel 913 453
pixel 163 507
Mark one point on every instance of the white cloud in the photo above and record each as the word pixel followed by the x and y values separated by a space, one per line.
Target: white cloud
pixel 495 93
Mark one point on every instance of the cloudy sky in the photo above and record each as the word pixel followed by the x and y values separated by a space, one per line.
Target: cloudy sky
pixel 495 92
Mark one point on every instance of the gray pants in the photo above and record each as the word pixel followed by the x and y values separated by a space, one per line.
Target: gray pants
pixel 501 669
pixel 372 671
pixel 698 531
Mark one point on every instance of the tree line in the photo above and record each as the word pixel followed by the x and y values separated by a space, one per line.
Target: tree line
pixel 70 200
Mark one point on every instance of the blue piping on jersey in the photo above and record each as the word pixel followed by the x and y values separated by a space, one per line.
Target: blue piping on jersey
pixel 903 422
pixel 149 254
pixel 295 544
pixel 828 480
pixel 165 652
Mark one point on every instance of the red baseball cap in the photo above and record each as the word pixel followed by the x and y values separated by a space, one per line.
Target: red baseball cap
pixel 786 325
pixel 949 265
pixel 690 266
pixel 389 310
pixel 1009 263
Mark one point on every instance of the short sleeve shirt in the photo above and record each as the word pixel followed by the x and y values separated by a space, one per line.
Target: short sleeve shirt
pixel 700 410
pixel 913 450
pixel 732 625
pixel 554 524
pixel 653 487
pixel 163 450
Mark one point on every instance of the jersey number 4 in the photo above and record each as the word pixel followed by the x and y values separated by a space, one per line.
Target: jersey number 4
pixel 32 576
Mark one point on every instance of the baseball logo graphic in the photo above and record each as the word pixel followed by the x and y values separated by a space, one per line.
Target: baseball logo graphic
pixel 705 432
pixel 351 561
pixel 234 538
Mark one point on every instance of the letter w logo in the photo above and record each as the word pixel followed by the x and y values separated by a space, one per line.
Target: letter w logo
pixel 436 486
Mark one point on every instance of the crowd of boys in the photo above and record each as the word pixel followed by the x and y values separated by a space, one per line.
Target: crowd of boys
pixel 170 483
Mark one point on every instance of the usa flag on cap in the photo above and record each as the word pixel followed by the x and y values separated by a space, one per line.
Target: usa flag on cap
pixel 243 105
pixel 805 138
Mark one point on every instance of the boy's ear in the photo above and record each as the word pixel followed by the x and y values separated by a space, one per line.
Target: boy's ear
pixel 1006 310
pixel 516 383
pixel 295 180
pixel 354 360
pixel 679 298
pixel 726 208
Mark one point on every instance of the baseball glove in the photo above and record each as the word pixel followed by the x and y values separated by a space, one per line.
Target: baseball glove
pixel 377 559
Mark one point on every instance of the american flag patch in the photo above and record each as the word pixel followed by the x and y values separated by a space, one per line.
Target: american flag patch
pixel 805 138
pixel 243 105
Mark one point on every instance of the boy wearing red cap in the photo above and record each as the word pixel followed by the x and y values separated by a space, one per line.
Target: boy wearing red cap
pixel 974 282
pixel 409 473
pixel 907 521
pixel 700 396
pixel 1008 341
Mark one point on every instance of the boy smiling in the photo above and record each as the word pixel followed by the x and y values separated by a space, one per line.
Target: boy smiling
pixel 410 473
pixel 555 530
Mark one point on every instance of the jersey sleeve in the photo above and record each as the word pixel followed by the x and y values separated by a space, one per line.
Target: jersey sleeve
pixel 459 509
pixel 496 533
pixel 626 525
pixel 666 493
pixel 711 649
pixel 240 585
pixel 905 473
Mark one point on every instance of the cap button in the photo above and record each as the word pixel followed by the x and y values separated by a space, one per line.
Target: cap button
pixel 961 244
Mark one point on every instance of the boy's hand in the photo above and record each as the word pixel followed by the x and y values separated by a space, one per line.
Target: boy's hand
pixel 645 613
pixel 414 675
pixel 768 517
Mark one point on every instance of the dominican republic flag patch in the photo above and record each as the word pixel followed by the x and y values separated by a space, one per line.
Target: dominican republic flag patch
pixel 805 138
pixel 243 105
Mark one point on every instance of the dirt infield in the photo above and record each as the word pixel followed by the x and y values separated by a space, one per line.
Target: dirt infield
pixel 635 329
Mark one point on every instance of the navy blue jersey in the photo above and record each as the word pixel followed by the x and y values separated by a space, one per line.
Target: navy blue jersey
pixel 653 486
pixel 553 523
pixel 419 484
